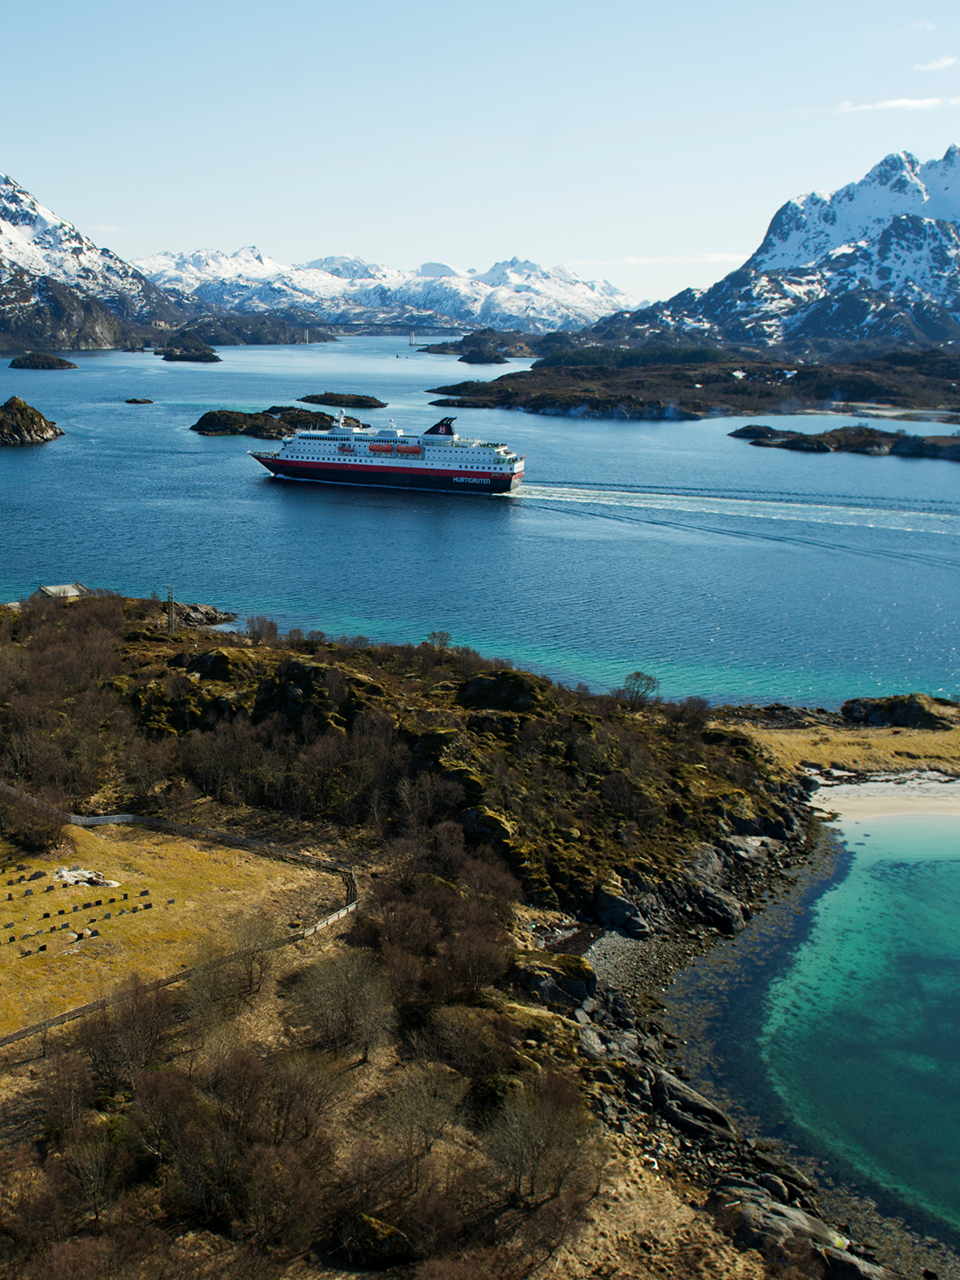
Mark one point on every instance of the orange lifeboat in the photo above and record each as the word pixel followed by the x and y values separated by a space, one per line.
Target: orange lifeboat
pixel 381 448
pixel 409 448
pixel 345 448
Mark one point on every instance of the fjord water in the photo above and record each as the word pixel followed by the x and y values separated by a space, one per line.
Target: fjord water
pixel 738 573
pixel 860 1034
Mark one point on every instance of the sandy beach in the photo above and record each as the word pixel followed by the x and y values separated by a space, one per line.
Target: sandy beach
pixel 886 795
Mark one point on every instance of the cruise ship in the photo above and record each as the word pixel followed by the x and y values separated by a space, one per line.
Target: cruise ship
pixel 390 459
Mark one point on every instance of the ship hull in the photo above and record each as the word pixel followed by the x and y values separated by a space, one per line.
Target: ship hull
pixel 386 477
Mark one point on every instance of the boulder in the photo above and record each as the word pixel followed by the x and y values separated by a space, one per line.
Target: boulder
pixel 484 824
pixel 556 979
pixel 503 691
pixel 762 1223
pixel 228 666
pixel 614 911
pixel 840 1265
pixel 371 1243
pixel 690 1112
pixel 718 909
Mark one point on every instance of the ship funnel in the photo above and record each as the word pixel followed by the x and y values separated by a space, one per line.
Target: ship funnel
pixel 442 428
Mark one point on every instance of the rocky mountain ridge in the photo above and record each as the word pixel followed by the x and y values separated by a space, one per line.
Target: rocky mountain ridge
pixel 874 266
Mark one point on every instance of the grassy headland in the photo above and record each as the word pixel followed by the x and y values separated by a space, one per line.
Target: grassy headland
pixel 422 1093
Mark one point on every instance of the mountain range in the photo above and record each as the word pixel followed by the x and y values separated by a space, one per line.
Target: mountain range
pixel 343 290
pixel 58 289
pixel 873 266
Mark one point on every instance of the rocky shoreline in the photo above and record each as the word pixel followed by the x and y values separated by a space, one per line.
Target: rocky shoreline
pixel 758 1194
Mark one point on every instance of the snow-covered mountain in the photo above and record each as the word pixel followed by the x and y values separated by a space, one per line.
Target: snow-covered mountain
pixel 341 290
pixel 876 263
pixel 37 245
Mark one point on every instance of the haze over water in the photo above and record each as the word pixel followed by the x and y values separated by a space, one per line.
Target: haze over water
pixel 738 573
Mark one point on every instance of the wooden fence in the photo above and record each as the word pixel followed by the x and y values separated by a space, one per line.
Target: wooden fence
pixel 184 828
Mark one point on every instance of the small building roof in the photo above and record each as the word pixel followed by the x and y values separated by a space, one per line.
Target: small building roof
pixel 64 589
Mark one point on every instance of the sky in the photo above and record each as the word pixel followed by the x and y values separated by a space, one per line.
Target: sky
pixel 635 142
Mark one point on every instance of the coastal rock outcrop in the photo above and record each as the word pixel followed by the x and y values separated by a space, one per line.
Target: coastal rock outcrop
pixel 905 711
pixel 40 360
pixel 503 691
pixel 20 423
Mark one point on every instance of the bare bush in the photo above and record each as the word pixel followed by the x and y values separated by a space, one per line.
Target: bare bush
pixel 637 690
pixel 343 1004
pixel 542 1139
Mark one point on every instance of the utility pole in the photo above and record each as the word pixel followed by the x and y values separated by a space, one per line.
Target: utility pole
pixel 170 615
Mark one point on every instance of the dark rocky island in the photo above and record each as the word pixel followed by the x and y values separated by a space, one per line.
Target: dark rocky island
pixel 137 400
pixel 859 439
pixel 189 347
pixel 686 384
pixel 343 401
pixel 20 423
pixel 272 424
pixel 491 346
pixel 40 360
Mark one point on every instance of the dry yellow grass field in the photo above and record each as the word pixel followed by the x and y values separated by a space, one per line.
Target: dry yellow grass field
pixel 862 749
pixel 209 885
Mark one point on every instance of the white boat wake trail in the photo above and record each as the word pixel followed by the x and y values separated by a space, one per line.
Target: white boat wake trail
pixel 669 509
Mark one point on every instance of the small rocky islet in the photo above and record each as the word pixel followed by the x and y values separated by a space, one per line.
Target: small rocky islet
pixel 188 346
pixel 21 424
pixel 341 400
pixel 861 438
pixel 40 360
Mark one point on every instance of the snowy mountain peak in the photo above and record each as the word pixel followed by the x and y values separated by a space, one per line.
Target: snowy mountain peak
pixel 346 267
pixel 437 270
pixel 875 263
pixel 809 227
pixel 34 240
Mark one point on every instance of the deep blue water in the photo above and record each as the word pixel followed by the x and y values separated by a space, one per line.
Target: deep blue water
pixel 737 573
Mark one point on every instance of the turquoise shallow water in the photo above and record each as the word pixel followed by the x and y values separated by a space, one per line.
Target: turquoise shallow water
pixel 861 1031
